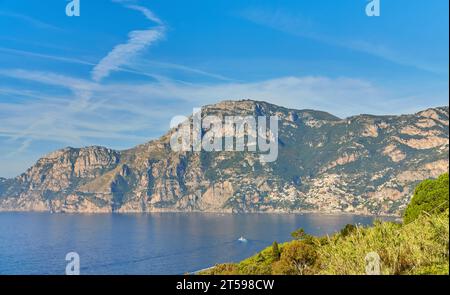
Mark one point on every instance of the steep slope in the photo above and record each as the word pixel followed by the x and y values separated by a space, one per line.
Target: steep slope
pixel 419 245
pixel 364 164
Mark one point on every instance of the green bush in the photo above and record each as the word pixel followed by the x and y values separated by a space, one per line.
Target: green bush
pixel 296 258
pixel 430 196
pixel 347 230
pixel 419 246
pixel 301 235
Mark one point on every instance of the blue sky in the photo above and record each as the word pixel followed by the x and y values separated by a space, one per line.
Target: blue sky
pixel 117 74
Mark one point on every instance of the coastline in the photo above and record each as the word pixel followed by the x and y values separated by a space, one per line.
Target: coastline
pixel 277 212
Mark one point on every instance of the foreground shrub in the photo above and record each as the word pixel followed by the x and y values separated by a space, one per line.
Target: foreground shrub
pixel 418 247
pixel 430 196
pixel 296 258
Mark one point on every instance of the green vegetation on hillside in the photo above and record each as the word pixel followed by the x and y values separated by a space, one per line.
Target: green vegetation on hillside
pixel 418 246
pixel 430 196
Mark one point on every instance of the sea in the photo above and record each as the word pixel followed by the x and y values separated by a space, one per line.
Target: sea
pixel 156 243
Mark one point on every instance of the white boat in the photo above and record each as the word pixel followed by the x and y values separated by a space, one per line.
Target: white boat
pixel 242 239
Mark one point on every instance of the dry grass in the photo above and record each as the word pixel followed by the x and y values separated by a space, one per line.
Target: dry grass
pixel 415 248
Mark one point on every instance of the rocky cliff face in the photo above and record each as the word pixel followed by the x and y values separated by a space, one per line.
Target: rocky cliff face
pixel 363 164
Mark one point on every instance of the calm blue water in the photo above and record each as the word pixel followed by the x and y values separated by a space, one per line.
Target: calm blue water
pixel 168 243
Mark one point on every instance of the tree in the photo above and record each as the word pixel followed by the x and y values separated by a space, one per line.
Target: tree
pixel 298 234
pixel 348 229
pixel 297 257
pixel 276 251
pixel 301 235
pixel 430 196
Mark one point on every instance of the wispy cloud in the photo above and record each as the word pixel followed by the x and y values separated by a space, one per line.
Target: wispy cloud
pixel 30 20
pixel 143 105
pixel 304 27
pixel 391 55
pixel 147 13
pixel 46 56
pixel 122 115
pixel 138 40
pixel 23 147
pixel 146 65
pixel 143 67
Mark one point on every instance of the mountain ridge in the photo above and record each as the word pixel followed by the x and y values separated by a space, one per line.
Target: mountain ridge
pixel 365 164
